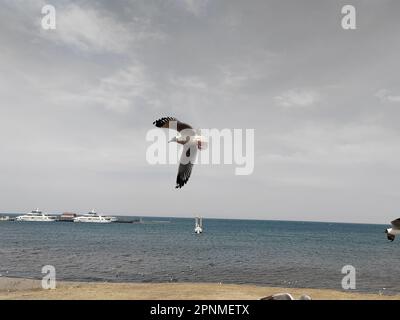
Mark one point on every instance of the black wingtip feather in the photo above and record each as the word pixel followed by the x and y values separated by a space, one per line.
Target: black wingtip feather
pixel 162 121
pixel 180 182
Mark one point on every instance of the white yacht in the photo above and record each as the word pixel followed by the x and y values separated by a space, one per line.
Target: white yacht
pixel 198 225
pixel 93 217
pixel 36 216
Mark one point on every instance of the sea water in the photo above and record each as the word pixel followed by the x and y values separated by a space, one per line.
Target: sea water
pixel 270 253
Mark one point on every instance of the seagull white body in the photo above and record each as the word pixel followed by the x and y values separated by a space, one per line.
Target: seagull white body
pixel 191 142
pixel 198 140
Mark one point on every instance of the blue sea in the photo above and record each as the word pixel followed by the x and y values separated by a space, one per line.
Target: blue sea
pixel 270 253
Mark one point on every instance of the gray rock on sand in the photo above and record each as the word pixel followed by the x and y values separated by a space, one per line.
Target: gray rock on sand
pixel 285 296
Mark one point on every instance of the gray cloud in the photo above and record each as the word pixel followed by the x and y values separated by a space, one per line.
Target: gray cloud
pixel 76 103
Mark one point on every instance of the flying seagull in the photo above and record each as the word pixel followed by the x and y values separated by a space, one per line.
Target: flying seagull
pixel 394 230
pixel 191 143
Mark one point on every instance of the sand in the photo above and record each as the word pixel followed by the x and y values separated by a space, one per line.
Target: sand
pixel 20 289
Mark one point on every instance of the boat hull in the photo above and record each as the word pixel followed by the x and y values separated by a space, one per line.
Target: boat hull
pixel 34 220
pixel 91 221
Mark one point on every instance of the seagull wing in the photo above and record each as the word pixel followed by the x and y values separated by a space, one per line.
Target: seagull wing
pixel 396 223
pixel 186 164
pixel 172 123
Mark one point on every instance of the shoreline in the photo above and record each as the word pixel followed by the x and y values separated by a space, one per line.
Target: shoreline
pixel 28 289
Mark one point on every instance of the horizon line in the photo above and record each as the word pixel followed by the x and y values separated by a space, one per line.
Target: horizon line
pixel 221 218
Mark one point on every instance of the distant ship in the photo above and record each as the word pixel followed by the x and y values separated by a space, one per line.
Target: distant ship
pixel 67 217
pixel 93 217
pixel 198 225
pixel 36 216
pixel 4 218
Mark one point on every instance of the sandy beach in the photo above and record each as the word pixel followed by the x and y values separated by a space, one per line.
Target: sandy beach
pixel 26 289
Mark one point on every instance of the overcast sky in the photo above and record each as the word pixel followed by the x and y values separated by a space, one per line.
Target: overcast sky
pixel 76 104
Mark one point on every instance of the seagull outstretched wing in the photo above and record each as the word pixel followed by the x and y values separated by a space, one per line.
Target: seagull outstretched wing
pixel 186 163
pixel 396 223
pixel 172 123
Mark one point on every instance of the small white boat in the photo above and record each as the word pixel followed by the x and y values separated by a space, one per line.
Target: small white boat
pixel 93 217
pixel 198 225
pixel 36 216
pixel 4 218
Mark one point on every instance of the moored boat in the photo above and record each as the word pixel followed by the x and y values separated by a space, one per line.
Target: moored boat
pixel 36 216
pixel 198 225
pixel 67 217
pixel 93 217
